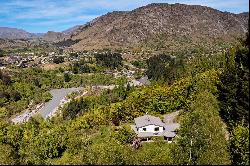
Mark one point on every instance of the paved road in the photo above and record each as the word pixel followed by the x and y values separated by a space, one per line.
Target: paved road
pixel 58 95
pixel 49 107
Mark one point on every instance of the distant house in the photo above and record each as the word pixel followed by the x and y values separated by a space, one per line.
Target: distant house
pixel 142 81
pixel 13 59
pixel 134 83
pixel 22 63
pixel 148 126
pixel 51 53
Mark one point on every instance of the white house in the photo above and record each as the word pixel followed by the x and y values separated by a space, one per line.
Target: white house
pixel 148 126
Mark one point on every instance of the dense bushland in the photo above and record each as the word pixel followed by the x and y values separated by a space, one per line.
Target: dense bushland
pixel 211 91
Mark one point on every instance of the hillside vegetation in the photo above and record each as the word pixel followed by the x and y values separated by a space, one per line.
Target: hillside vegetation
pixel 211 90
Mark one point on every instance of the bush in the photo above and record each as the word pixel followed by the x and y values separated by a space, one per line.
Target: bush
pixel 46 96
pixel 158 138
pixel 239 145
pixel 66 77
pixel 139 64
pixel 58 59
pixel 8 156
pixel 124 135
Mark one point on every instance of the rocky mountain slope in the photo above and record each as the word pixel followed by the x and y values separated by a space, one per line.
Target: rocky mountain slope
pixel 169 25
pixel 51 36
pixel 9 43
pixel 14 33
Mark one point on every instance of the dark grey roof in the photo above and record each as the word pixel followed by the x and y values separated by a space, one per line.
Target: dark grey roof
pixel 169 134
pixel 148 120
pixel 171 126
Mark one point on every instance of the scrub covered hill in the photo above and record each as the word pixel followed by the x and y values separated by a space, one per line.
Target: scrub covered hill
pixel 161 26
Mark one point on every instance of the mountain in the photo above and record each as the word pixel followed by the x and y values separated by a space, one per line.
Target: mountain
pixel 71 30
pixel 160 25
pixel 38 34
pixel 51 36
pixel 14 33
pixel 157 26
pixel 11 44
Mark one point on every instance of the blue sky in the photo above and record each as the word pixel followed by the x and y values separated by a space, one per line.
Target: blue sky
pixel 58 15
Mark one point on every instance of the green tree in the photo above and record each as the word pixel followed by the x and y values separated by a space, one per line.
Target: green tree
pixel 234 86
pixel 66 77
pixel 2 52
pixel 75 67
pixel 201 139
pixel 58 59
pixel 8 155
pixel 124 135
pixel 164 66
pixel 110 60
pixel 240 145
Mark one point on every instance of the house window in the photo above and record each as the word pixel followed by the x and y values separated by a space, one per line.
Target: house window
pixel 144 129
pixel 157 129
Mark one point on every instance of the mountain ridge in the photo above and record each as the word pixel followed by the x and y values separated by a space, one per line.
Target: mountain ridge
pixel 138 26
pixel 157 25
pixel 14 33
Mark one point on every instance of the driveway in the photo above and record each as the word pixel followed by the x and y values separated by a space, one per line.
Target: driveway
pixel 58 96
